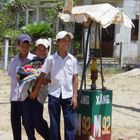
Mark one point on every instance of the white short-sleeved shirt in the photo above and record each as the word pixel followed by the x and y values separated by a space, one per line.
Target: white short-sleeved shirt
pixel 62 71
pixel 12 70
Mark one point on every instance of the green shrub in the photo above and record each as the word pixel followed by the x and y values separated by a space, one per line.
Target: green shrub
pixel 38 30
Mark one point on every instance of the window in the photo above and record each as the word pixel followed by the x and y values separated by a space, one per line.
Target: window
pixel 134 30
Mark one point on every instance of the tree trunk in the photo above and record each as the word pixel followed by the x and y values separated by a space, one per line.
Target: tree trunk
pixel 17 20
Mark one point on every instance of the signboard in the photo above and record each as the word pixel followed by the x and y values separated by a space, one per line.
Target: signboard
pixel 94 115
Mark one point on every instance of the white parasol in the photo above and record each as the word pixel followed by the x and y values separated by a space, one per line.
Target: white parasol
pixel 105 14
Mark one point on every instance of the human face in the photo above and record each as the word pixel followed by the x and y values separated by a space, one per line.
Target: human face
pixel 64 43
pixel 24 47
pixel 41 51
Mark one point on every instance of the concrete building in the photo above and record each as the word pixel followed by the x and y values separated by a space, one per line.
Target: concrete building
pixel 117 40
pixel 36 12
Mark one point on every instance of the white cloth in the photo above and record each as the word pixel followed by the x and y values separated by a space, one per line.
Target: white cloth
pixel 62 71
pixel 15 63
pixel 43 93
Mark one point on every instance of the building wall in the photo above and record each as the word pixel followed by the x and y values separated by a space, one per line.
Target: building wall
pixel 130 49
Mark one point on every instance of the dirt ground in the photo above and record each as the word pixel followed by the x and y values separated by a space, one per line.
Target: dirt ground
pixel 126 105
pixel 125 109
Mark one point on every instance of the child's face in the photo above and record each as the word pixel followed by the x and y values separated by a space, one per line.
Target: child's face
pixel 64 43
pixel 41 51
pixel 24 47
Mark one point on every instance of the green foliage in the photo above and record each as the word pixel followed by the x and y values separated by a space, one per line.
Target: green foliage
pixel 3 20
pixel 13 35
pixel 76 44
pixel 19 5
pixel 16 6
pixel 14 12
pixel 60 4
pixel 52 13
pixel 75 1
pixel 38 30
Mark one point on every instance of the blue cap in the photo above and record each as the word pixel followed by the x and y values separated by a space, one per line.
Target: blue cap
pixel 24 37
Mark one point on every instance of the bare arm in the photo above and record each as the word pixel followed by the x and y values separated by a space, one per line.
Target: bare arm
pixel 75 91
pixel 36 90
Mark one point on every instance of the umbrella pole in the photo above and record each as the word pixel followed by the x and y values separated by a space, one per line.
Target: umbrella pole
pixel 84 55
pixel 85 50
pixel 101 66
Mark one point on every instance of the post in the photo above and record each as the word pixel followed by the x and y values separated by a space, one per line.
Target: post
pixel 37 14
pixel 50 42
pixel 6 46
pixel 27 17
pixel 120 56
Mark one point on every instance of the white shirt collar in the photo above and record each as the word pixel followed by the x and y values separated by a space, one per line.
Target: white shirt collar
pixel 30 56
pixel 57 55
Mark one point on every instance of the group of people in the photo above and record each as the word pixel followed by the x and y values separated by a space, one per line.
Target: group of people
pixel 57 79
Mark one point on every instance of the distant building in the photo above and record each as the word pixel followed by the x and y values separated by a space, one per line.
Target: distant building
pixel 37 12
pixel 118 35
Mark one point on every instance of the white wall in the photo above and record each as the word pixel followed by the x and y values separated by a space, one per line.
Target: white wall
pixel 123 34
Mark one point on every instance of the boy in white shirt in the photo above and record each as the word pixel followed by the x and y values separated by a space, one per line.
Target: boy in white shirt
pixel 63 89
pixel 24 44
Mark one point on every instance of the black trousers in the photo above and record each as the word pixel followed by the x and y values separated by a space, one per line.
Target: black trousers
pixel 16 119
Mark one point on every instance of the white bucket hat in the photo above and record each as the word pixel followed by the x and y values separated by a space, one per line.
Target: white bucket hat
pixel 43 42
pixel 62 34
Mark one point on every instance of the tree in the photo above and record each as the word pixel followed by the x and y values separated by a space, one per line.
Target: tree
pixel 17 9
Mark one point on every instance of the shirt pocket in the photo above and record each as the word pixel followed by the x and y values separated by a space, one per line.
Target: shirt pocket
pixel 69 67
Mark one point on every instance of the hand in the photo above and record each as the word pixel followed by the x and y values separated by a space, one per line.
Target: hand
pixel 18 77
pixel 33 95
pixel 74 102
pixel 46 81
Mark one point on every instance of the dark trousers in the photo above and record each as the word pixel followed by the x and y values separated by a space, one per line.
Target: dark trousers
pixel 55 105
pixel 16 119
pixel 33 118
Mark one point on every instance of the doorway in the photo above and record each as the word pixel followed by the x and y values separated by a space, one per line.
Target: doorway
pixel 108 41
